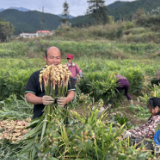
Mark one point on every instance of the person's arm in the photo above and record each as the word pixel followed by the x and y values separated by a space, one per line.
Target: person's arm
pixel 146 131
pixel 138 132
pixel 70 96
pixel 78 70
pixel 33 99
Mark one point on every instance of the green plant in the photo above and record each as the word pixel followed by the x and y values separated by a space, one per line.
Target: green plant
pixel 14 109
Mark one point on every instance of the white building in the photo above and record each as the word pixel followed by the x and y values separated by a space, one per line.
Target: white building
pixel 29 35
pixel 44 33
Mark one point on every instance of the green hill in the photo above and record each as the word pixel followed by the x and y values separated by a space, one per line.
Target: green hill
pixel 116 4
pixel 120 10
pixel 125 11
pixel 30 21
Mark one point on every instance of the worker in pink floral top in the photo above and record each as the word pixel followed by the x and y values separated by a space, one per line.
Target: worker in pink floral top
pixel 147 130
pixel 73 67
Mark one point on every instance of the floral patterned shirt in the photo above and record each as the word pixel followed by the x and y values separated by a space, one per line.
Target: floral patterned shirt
pixel 147 130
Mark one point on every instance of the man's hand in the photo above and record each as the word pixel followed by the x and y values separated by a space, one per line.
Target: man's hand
pixel 80 74
pixel 75 79
pixel 62 101
pixel 47 100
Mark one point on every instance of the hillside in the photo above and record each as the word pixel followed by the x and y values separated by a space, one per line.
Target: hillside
pixel 125 11
pixel 121 10
pixel 29 21
pixel 116 4
pixel 70 16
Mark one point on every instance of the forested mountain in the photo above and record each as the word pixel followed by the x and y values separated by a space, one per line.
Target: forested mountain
pixel 121 10
pixel 116 5
pixel 30 21
pixel 70 16
pixel 125 11
pixel 1 9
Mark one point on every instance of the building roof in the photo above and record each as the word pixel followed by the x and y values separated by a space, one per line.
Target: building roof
pixel 43 31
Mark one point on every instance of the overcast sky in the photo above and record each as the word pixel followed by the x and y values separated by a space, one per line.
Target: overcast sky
pixel 76 7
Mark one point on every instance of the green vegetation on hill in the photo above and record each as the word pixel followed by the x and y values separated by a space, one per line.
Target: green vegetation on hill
pixel 120 11
pixel 116 4
pixel 29 21
pixel 126 11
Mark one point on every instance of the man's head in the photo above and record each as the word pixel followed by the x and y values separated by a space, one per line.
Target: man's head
pixel 154 105
pixel 52 56
pixel 70 58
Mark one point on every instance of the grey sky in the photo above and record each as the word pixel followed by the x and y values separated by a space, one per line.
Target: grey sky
pixel 76 7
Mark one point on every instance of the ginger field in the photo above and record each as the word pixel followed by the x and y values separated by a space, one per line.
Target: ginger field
pixel 86 137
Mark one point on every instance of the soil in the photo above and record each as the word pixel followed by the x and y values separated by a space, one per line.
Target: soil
pixel 123 108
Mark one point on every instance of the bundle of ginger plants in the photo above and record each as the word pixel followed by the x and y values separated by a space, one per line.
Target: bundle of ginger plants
pixel 55 80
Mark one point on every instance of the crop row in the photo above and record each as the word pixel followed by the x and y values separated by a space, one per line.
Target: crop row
pixel 97 73
pixel 34 48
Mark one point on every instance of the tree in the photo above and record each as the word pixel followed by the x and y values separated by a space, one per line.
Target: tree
pixel 6 30
pixel 65 14
pixel 98 11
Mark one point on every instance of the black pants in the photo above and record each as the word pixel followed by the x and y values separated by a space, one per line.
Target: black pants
pixel 140 142
pixel 155 81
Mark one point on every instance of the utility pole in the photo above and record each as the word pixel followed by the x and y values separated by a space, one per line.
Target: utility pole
pixel 42 19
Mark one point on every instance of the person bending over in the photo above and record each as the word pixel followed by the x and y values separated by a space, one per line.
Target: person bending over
pixel 123 84
pixel 156 80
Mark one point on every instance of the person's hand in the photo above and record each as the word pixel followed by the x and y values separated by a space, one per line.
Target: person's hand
pixel 62 101
pixel 47 100
pixel 127 134
pixel 75 79
pixel 80 74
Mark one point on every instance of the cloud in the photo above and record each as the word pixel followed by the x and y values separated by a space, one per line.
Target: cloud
pixel 76 7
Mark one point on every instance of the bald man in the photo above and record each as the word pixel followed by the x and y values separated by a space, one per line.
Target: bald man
pixel 33 93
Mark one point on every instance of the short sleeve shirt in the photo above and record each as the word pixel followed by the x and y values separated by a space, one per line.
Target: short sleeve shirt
pixel 33 86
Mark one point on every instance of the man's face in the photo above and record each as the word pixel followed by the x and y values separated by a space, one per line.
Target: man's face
pixel 69 60
pixel 53 56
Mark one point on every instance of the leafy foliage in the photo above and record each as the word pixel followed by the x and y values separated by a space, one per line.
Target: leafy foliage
pixel 83 138
pixel 65 15
pixel 97 11
pixel 14 109
pixel 6 30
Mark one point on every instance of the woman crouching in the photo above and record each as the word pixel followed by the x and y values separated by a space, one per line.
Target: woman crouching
pixel 147 130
